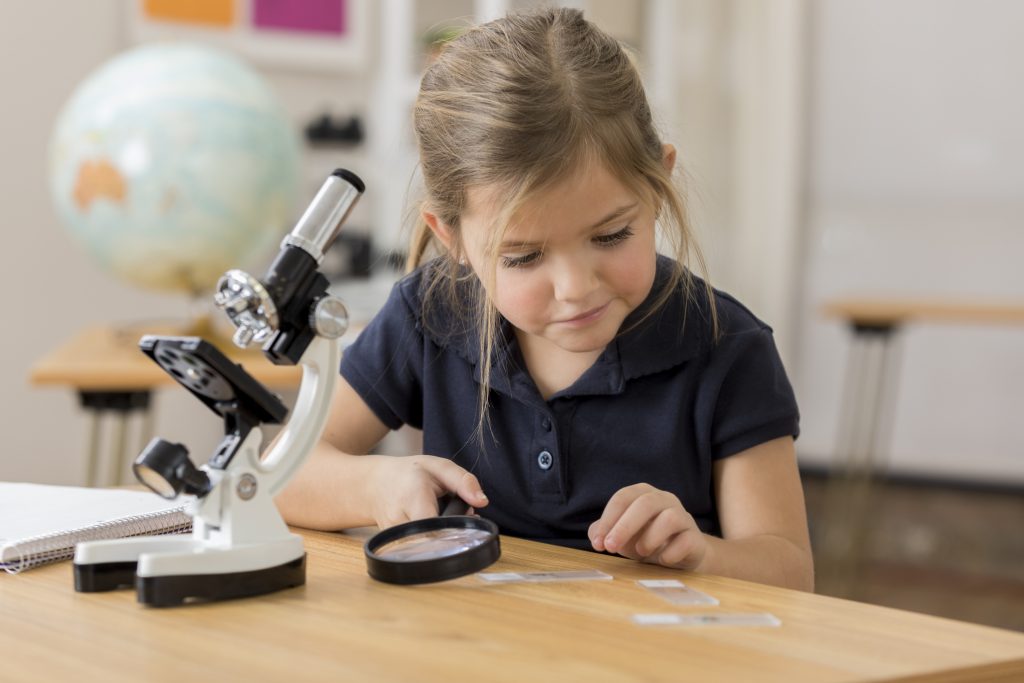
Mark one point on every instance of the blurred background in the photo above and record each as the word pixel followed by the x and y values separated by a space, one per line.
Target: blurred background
pixel 831 149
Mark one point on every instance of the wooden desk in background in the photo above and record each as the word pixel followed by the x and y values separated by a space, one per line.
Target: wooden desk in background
pixel 344 626
pixel 105 367
pixel 867 403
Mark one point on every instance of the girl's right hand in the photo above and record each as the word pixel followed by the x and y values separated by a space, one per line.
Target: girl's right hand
pixel 405 488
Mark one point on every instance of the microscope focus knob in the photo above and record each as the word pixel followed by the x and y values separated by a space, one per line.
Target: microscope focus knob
pixel 329 317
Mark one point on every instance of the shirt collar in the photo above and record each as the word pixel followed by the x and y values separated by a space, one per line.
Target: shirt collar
pixel 653 339
pixel 658 337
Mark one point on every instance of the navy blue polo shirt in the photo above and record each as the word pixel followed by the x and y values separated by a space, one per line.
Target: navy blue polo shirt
pixel 659 406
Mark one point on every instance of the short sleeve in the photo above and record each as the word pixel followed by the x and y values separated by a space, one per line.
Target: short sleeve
pixel 385 363
pixel 755 402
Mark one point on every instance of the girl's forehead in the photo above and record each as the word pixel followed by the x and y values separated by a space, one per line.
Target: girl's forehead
pixel 579 198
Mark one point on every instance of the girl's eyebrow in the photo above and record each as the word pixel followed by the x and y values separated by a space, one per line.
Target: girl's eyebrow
pixel 616 213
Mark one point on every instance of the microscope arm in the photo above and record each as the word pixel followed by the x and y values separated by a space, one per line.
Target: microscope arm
pixel 320 364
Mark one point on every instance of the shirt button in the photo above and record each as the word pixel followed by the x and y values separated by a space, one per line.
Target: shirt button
pixel 546 424
pixel 544 460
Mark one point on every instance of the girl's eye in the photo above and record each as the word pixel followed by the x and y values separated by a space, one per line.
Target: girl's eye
pixel 614 238
pixel 519 261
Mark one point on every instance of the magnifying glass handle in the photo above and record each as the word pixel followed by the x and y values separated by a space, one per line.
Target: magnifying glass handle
pixel 451 505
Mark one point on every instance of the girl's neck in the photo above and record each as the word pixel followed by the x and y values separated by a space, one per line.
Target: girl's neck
pixel 553 368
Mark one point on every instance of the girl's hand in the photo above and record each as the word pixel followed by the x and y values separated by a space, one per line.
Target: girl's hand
pixel 407 488
pixel 644 523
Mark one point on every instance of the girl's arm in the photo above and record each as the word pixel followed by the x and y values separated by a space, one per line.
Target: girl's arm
pixel 339 487
pixel 763 517
pixel 760 508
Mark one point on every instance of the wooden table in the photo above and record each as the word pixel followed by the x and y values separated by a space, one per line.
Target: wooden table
pixel 893 312
pixel 867 406
pixel 113 377
pixel 105 358
pixel 344 626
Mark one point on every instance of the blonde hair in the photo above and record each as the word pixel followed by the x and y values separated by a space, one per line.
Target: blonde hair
pixel 517 104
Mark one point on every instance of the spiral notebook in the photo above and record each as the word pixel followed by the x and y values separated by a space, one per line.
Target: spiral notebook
pixel 40 524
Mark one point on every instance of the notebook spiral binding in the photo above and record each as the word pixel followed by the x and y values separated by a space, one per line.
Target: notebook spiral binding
pixel 39 550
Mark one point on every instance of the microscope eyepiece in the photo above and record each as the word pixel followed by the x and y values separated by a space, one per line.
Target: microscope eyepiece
pixel 351 177
pixel 320 224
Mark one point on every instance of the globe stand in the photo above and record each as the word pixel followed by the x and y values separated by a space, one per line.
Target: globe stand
pixel 202 326
pixel 200 321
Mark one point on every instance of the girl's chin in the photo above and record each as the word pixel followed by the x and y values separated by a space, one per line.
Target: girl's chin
pixel 582 343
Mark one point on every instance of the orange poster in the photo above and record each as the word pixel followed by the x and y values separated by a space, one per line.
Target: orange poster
pixel 205 12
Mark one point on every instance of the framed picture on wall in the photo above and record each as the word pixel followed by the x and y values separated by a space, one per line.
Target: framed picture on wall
pixel 313 35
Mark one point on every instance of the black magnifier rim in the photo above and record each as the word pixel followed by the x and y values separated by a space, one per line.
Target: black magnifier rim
pixel 408 572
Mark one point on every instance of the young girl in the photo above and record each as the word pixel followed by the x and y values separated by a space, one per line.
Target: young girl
pixel 572 385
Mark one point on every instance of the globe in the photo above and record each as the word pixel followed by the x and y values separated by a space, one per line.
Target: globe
pixel 172 163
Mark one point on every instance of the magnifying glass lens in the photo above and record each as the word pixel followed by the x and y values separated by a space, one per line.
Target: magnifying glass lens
pixel 433 549
pixel 431 545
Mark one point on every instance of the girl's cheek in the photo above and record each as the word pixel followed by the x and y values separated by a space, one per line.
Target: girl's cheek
pixel 519 299
pixel 515 300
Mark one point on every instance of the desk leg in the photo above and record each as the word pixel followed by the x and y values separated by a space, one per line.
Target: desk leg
pixel 119 405
pixel 864 423
pixel 146 431
pixel 118 457
pixel 93 452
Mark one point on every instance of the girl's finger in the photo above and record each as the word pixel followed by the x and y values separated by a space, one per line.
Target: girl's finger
pixel 613 511
pixel 668 523
pixel 637 516
pixel 457 480
pixel 679 550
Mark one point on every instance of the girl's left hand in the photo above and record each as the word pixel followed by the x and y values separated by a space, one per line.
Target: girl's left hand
pixel 644 523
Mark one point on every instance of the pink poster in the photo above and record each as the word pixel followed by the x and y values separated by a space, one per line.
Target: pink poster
pixel 304 16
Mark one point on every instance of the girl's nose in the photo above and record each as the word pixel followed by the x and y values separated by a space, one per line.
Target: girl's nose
pixel 573 279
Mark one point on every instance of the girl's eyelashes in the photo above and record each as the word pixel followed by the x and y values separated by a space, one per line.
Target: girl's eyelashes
pixel 614 238
pixel 609 240
pixel 519 261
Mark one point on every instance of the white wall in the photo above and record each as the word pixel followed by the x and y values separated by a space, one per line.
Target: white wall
pixel 916 187
pixel 49 285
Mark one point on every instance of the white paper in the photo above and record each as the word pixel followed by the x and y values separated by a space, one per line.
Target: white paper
pixel 40 524
pixel 28 510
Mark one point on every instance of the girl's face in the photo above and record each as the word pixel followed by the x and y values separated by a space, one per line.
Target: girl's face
pixel 573 263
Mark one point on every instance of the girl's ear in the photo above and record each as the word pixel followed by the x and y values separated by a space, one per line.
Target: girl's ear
pixel 668 157
pixel 442 231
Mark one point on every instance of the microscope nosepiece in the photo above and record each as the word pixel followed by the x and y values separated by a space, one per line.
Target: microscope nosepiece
pixel 249 305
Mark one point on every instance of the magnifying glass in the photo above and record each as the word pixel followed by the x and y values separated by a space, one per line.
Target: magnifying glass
pixel 435 549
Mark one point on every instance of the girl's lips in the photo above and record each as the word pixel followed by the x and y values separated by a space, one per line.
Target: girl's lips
pixel 587 317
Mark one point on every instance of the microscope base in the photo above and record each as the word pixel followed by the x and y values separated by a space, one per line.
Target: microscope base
pixel 168 591
pixel 172 570
pixel 104 576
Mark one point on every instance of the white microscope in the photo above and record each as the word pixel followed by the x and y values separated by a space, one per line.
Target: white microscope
pixel 239 544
